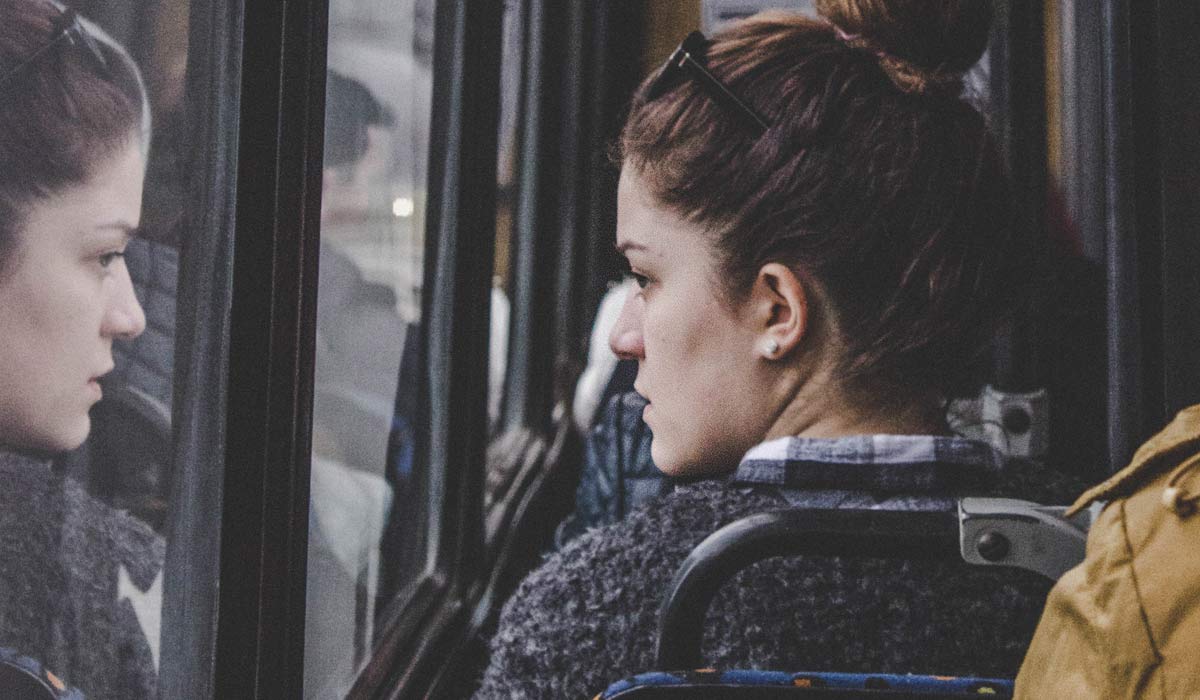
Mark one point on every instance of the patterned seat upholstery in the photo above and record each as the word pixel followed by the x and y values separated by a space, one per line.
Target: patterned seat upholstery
pixel 766 684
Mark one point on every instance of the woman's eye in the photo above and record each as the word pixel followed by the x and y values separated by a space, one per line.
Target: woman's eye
pixel 641 280
pixel 108 258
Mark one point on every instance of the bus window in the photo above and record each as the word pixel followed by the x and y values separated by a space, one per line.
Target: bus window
pixel 565 73
pixel 366 506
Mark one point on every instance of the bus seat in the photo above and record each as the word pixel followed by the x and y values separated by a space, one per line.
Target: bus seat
pixel 749 684
pixel 983 531
pixel 1011 532
pixel 131 452
pixel 24 678
pixel 126 460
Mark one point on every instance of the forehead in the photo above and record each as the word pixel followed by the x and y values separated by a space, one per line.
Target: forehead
pixel 110 196
pixel 644 224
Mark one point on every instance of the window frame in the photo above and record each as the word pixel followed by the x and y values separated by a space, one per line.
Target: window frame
pixel 1128 83
pixel 1018 110
pixel 261 80
pixel 203 346
pixel 272 326
pixel 1176 166
pixel 1152 171
pixel 427 619
pixel 234 591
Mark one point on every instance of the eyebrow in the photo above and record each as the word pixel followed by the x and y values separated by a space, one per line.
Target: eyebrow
pixel 118 226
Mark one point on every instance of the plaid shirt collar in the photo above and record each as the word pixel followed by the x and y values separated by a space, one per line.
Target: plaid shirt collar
pixel 827 470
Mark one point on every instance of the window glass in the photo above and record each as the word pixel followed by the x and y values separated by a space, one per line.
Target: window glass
pixel 366 534
pixel 506 205
pixel 93 112
pixel 504 445
pixel 716 13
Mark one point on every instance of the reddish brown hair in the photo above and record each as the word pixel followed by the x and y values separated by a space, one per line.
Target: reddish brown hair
pixel 888 193
pixel 61 114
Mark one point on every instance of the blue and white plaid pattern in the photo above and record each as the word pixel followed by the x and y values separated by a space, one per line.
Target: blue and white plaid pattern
pixel 892 472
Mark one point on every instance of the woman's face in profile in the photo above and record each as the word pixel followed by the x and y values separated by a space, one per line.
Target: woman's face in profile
pixel 65 294
pixel 698 364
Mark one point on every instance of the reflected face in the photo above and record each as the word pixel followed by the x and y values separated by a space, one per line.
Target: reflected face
pixel 346 190
pixel 65 294
pixel 696 356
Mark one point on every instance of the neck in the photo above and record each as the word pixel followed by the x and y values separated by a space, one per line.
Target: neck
pixel 820 407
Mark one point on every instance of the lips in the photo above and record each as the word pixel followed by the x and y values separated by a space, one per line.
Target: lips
pixel 93 384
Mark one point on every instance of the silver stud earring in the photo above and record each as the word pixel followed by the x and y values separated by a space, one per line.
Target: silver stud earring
pixel 771 347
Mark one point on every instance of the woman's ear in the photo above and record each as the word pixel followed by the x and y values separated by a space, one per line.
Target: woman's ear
pixel 781 310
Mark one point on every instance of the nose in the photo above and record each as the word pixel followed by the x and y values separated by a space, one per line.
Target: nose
pixel 626 339
pixel 123 316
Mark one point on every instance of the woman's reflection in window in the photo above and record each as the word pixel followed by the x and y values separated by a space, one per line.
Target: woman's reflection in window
pixel 80 584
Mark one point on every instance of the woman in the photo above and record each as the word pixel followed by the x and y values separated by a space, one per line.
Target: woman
pixel 820 232
pixel 77 579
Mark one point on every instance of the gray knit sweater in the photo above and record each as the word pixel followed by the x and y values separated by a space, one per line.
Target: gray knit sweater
pixel 72 574
pixel 588 616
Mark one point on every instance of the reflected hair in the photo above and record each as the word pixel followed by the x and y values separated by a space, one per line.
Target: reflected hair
pixel 63 111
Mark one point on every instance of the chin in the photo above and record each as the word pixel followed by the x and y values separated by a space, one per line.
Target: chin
pixel 674 470
pixel 668 461
pixel 47 446
pixel 662 461
pixel 67 438
pixel 689 466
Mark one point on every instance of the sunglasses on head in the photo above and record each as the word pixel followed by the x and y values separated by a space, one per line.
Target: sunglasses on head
pixel 688 60
pixel 66 26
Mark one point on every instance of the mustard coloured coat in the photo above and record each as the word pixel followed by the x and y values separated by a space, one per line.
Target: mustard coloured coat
pixel 1125 623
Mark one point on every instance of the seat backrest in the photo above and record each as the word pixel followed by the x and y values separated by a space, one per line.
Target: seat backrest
pixel 987 532
pixel 126 460
pixel 1000 532
pixel 928 535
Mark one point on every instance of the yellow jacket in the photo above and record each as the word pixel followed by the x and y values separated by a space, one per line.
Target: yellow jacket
pixel 1125 623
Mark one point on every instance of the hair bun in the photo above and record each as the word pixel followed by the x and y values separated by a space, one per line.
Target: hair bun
pixel 942 37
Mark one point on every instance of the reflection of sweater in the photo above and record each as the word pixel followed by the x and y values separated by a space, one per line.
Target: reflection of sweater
pixel 588 616
pixel 78 583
